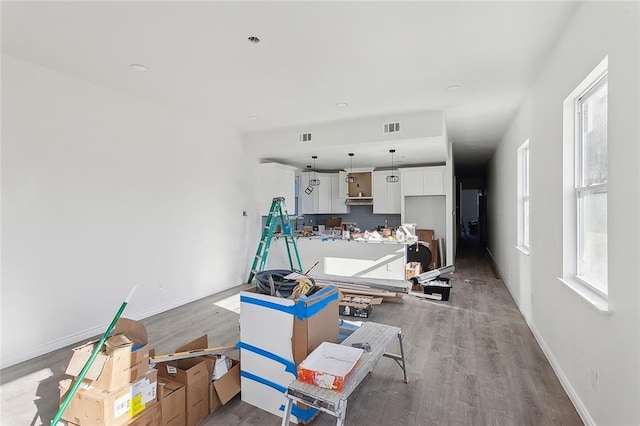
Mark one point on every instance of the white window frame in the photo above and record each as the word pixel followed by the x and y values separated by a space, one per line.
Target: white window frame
pixel 572 191
pixel 524 203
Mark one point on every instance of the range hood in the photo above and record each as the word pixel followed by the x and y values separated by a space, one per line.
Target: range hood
pixel 359 201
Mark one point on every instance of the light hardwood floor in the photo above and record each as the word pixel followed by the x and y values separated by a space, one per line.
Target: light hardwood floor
pixel 471 361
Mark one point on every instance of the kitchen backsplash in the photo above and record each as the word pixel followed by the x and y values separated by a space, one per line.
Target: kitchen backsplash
pixel 362 215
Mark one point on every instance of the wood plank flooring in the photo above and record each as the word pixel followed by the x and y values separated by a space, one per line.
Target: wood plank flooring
pixel 471 361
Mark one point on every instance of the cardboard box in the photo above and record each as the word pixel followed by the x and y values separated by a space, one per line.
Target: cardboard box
pixel 110 369
pixel 137 333
pixel 329 366
pixel 98 407
pixel 425 235
pixel 226 387
pixel 123 359
pixel 171 395
pixel 412 269
pixel 149 417
pixel 194 375
pixel 276 334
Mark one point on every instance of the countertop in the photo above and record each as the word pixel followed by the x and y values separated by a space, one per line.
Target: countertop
pixel 329 237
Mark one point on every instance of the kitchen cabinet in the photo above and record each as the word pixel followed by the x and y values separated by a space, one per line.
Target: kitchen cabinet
pixel 308 202
pixel 386 196
pixel 324 193
pixel 339 193
pixel 276 180
pixel 417 181
pixel 326 198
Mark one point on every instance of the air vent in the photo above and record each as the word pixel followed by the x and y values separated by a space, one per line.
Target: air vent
pixel 392 127
pixel 304 137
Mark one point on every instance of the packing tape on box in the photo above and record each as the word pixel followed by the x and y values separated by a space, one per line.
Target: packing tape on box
pixel 299 310
pixel 304 414
pixel 290 366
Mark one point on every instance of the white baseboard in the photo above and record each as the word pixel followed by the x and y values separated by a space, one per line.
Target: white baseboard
pixel 82 336
pixel 564 381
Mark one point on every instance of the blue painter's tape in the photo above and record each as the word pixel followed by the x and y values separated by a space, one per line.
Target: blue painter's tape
pixel 303 312
pixel 264 381
pixel 304 414
pixel 266 304
pixel 290 366
pixel 300 309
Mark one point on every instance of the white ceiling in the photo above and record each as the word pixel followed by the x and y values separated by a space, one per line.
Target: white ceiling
pixel 380 57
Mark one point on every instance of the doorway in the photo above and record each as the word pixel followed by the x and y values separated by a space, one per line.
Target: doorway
pixel 470 214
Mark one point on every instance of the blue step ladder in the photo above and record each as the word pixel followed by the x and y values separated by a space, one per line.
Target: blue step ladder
pixel 277 211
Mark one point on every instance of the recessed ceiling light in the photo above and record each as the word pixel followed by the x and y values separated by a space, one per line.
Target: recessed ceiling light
pixel 254 117
pixel 254 40
pixel 453 87
pixel 342 104
pixel 138 67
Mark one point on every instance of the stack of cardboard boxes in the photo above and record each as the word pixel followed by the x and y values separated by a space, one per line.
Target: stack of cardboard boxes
pixel 203 394
pixel 121 388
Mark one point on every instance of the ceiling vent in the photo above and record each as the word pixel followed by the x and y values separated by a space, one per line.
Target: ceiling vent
pixel 392 127
pixel 304 137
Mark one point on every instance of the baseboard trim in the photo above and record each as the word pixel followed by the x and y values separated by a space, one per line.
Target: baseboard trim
pixel 82 336
pixel 564 381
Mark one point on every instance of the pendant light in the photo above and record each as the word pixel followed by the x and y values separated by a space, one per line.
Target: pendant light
pixel 309 189
pixel 315 181
pixel 350 178
pixel 392 178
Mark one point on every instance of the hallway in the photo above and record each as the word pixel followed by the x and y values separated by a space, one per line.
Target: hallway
pixel 471 361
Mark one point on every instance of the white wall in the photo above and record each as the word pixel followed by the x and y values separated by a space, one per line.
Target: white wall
pixel 101 191
pixel 576 337
pixel 427 212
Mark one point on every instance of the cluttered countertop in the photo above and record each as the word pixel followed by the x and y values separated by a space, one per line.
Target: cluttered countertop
pixel 404 234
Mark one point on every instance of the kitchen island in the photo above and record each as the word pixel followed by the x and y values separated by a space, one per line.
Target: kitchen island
pixel 347 258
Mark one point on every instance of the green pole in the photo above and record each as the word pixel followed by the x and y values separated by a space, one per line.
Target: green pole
pixel 87 365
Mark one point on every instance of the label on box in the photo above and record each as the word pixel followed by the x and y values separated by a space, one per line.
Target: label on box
pixel 122 405
pixel 150 392
pixel 171 369
pixel 137 406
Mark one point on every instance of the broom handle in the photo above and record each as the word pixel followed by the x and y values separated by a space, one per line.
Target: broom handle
pixel 87 365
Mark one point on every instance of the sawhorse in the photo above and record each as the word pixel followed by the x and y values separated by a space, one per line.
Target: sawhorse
pixel 379 337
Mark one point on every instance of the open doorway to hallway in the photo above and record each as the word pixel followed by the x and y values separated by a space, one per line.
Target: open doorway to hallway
pixel 471 210
pixel 470 214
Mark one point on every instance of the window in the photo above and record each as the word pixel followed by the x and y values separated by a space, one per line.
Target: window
pixel 585 258
pixel 591 185
pixel 523 197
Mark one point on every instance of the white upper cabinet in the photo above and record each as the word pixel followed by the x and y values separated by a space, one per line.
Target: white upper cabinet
pixel 386 196
pixel 422 181
pixel 324 192
pixel 276 180
pixel 308 202
pixel 339 193
pixel 327 198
